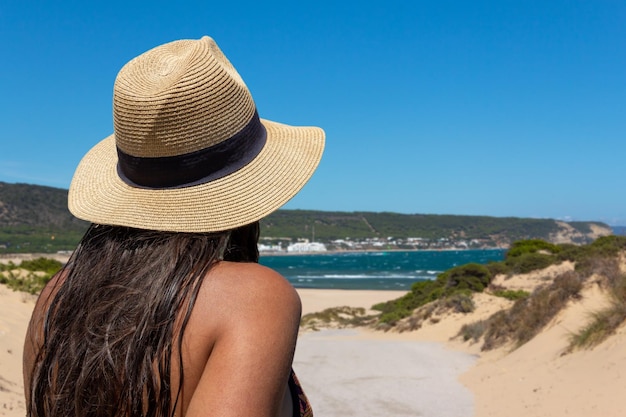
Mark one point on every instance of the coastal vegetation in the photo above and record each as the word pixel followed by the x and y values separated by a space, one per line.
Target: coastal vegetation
pixel 30 275
pixel 530 312
pixel 343 316
pixel 454 285
pixel 512 295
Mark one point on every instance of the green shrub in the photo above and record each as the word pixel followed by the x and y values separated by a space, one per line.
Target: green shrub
pixel 497 268
pixel 393 317
pixel 395 310
pixel 473 277
pixel 7 267
pixel 421 293
pixel 463 279
pixel 570 252
pixel 50 266
pixel 609 245
pixel 31 283
pixel 40 272
pixel 531 246
pixel 528 262
pixel 512 295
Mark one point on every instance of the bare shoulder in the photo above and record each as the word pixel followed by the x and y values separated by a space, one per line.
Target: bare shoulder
pixel 246 322
pixel 250 286
pixel 244 298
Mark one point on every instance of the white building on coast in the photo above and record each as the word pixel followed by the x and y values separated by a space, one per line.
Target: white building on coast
pixel 300 247
pixel 269 248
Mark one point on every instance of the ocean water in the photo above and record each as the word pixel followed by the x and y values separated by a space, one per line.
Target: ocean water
pixel 395 270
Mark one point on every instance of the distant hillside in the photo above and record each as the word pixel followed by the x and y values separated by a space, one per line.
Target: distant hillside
pixel 35 218
pixel 490 231
pixel 35 205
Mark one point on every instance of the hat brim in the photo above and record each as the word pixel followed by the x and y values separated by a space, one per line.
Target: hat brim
pixel 285 164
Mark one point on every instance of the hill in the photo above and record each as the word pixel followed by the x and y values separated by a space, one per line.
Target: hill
pixel 35 205
pixel 484 230
pixel 35 218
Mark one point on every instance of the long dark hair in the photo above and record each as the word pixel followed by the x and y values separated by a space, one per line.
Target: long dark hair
pixel 110 328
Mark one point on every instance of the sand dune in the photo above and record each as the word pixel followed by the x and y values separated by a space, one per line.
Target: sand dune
pixel 538 379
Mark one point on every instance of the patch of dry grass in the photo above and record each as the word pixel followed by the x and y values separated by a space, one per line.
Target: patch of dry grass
pixel 528 315
pixel 337 317
pixel 605 322
pixel 30 275
pixel 456 303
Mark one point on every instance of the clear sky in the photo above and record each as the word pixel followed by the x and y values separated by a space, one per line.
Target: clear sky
pixel 499 108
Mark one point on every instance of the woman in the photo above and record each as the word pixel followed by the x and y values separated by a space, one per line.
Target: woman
pixel 163 309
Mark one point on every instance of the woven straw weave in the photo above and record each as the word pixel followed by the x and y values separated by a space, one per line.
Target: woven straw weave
pixel 178 98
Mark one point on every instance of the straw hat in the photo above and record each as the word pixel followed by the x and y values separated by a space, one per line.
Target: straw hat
pixel 189 152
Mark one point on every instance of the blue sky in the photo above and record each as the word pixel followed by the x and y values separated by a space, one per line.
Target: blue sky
pixel 500 108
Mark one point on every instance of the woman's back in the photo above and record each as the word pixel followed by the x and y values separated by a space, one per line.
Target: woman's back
pixel 237 346
pixel 111 329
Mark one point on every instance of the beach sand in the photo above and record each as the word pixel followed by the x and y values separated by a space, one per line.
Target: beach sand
pixel 314 300
pixel 360 373
pixel 349 372
pixel 421 373
pixel 15 311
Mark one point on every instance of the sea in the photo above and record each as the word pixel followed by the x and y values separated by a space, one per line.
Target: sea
pixel 385 270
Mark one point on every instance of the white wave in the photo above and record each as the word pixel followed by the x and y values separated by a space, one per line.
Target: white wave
pixel 361 276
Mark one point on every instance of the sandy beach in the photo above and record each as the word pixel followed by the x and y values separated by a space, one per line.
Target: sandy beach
pixel 15 311
pixel 362 373
pixel 351 372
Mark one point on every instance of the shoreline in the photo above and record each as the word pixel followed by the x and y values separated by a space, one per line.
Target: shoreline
pixel 316 300
pixel 5 257
pixel 364 251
